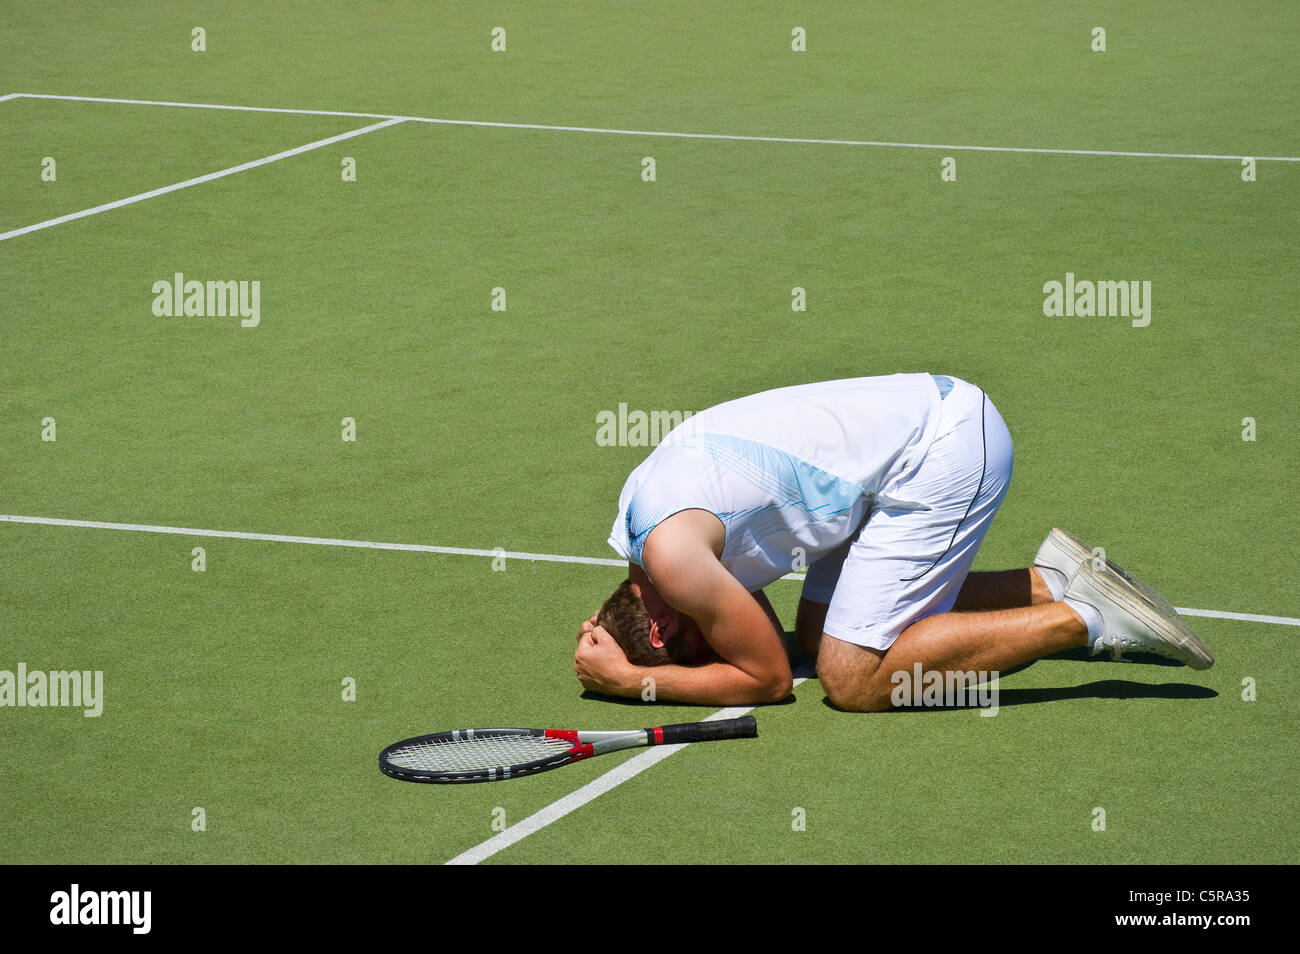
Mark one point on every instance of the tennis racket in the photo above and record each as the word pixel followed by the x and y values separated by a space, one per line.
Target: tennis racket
pixel 489 755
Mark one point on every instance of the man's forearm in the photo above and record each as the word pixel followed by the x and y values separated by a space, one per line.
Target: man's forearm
pixel 719 684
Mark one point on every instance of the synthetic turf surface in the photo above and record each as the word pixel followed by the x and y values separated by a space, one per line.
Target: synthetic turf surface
pixel 477 428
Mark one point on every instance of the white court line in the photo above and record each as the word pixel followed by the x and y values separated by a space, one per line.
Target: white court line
pixel 318 541
pixel 241 109
pixel 579 797
pixel 196 181
pixel 10 96
pixel 1246 617
pixel 463 551
pixel 674 135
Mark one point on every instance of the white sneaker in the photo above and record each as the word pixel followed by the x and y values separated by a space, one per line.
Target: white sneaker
pixel 1062 552
pixel 1065 553
pixel 1133 622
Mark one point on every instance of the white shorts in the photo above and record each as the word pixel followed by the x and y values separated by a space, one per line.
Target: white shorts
pixel 907 563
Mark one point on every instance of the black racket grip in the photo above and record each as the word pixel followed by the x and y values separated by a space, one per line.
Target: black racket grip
pixel 743 728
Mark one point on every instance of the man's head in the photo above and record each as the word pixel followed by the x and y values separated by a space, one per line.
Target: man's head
pixel 650 632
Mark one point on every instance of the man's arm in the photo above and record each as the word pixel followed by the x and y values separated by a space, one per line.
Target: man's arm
pixel 602 667
pixel 766 605
pixel 681 558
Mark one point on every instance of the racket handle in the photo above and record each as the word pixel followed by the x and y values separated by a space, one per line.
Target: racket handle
pixel 743 728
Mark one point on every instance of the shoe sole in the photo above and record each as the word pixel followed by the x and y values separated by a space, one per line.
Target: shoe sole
pixel 1123 591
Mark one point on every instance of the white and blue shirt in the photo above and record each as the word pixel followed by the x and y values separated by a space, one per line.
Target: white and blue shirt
pixel 792 472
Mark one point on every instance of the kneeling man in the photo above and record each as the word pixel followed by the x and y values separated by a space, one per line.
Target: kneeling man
pixel 884 488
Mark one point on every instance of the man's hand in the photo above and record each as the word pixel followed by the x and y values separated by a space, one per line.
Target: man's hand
pixel 601 664
pixel 587 625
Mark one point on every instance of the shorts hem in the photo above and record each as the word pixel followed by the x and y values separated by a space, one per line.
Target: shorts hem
pixel 865 640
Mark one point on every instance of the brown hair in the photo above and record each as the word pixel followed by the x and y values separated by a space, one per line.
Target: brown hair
pixel 625 618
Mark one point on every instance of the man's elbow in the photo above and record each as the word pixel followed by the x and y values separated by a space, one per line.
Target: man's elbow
pixel 777 688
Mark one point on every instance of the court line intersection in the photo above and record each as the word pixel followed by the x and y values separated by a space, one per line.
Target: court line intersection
pixel 727 137
pixel 197 180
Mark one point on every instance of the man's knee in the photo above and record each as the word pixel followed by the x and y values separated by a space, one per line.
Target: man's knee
pixel 849 675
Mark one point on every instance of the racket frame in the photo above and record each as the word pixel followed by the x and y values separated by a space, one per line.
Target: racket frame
pixel 584 744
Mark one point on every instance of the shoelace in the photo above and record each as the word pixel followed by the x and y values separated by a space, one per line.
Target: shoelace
pixel 1117 644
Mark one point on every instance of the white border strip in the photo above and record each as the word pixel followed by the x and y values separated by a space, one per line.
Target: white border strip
pixel 464 551
pixel 671 135
pixel 196 181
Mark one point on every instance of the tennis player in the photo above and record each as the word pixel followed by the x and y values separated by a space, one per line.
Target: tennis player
pixel 884 487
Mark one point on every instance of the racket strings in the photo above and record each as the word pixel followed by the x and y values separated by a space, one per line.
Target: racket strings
pixel 482 752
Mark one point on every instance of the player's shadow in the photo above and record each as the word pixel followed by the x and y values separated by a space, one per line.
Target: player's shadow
pixel 638 701
pixel 1081 655
pixel 1103 689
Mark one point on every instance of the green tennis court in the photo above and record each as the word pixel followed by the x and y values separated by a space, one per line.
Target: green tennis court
pixel 449 303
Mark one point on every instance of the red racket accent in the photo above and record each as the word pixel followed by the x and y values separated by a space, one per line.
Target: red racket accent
pixel 659 735
pixel 568 735
pixel 582 752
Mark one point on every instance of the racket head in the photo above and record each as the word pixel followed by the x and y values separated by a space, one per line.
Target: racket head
pixel 476 755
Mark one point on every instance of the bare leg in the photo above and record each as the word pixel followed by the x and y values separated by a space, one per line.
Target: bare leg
pixel 859 679
pixel 808 623
pixel 1000 589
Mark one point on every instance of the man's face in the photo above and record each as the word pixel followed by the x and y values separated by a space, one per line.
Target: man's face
pixel 667 624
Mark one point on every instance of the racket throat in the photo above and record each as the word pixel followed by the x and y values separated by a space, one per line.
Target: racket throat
pixel 617 743
pixel 588 744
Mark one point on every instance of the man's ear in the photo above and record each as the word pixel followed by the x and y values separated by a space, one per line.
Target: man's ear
pixel 656 640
